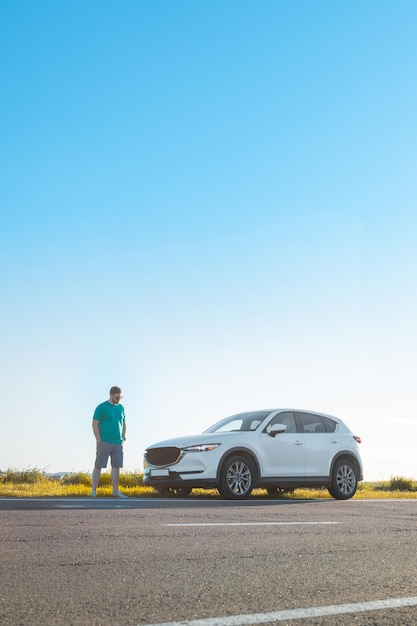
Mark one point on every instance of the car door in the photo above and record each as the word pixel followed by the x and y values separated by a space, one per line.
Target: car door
pixel 282 454
pixel 319 450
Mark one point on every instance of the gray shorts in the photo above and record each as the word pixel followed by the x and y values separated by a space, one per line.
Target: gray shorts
pixel 106 450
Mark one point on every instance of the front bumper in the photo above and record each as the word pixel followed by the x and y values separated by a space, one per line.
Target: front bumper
pixel 177 480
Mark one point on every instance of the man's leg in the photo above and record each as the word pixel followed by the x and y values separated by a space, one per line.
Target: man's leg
pixel 116 464
pixel 95 480
pixel 102 457
pixel 115 473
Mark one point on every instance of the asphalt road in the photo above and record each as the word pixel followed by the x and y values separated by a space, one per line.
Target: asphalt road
pixel 149 561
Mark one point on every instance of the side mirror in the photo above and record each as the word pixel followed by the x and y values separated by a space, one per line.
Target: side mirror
pixel 276 429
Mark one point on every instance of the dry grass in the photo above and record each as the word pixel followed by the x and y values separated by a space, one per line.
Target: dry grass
pixel 35 483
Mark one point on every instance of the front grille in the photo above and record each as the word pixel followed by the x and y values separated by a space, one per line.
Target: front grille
pixel 163 456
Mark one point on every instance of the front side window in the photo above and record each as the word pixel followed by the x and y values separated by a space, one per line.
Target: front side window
pixel 287 418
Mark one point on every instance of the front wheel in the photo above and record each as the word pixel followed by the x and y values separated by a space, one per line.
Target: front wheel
pixel 344 480
pixel 237 478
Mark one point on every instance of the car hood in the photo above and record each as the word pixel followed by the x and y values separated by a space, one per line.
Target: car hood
pixel 195 440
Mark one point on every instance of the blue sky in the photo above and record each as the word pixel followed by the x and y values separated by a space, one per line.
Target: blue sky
pixel 212 205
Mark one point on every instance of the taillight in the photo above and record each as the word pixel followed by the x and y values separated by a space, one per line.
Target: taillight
pixel 358 439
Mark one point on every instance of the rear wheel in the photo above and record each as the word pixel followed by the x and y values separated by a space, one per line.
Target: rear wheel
pixel 344 480
pixel 237 478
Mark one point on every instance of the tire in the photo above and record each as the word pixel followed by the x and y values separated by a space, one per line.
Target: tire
pixel 237 478
pixel 174 492
pixel 278 492
pixel 344 480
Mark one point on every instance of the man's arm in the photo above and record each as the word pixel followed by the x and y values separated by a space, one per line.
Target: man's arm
pixel 124 430
pixel 96 430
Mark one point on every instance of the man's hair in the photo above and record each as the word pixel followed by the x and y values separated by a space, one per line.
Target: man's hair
pixel 114 390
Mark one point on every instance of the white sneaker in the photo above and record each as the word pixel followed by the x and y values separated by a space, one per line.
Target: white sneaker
pixel 93 494
pixel 119 494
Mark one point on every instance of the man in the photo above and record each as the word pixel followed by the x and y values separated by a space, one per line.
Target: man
pixel 109 428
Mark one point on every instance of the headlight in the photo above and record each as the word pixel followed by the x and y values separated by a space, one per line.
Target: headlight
pixel 204 447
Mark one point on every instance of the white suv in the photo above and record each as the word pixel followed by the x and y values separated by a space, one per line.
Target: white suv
pixel 278 450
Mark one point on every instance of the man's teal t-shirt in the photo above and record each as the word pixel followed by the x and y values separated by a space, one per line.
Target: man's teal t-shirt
pixel 111 418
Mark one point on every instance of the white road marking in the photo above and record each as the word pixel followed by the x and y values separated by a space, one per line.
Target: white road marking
pixel 281 616
pixel 253 524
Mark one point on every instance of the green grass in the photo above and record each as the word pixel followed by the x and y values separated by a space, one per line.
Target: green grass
pixel 35 483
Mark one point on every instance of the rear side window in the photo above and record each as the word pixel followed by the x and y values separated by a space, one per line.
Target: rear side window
pixel 311 423
pixel 330 424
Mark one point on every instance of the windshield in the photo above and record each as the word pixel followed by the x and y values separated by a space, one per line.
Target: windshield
pixel 242 421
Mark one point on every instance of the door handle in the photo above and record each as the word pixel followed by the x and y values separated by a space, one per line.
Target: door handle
pixel 298 443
